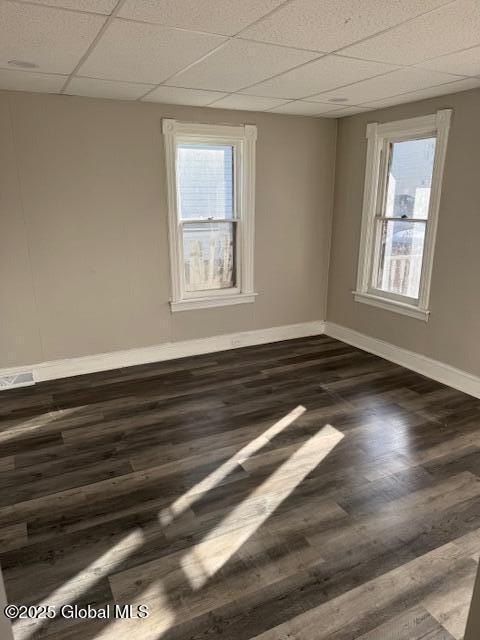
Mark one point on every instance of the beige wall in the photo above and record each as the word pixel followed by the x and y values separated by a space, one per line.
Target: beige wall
pixel 84 265
pixel 452 333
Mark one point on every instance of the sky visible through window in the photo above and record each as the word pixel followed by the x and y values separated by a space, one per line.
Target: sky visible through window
pixel 410 178
pixel 205 181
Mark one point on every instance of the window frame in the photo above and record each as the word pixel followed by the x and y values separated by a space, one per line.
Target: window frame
pixel 379 137
pixel 242 139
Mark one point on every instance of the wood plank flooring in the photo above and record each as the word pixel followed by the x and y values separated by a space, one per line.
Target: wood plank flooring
pixel 300 490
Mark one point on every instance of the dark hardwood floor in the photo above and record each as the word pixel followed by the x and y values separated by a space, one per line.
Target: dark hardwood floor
pixel 302 490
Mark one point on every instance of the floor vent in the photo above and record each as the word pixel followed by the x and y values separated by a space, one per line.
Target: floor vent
pixel 21 379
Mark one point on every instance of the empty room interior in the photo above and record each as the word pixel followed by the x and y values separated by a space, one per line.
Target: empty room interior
pixel 239 319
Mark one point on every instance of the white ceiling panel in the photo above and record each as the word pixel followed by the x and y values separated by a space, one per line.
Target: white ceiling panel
pixel 26 81
pixel 182 51
pixel 448 29
pixel 53 39
pixel 422 94
pixel 386 86
pixel 228 18
pixel 327 25
pixel 139 52
pixel 465 63
pixel 95 88
pixel 95 6
pixel 239 64
pixel 346 111
pixel 303 108
pixel 248 103
pixel 320 75
pixel 177 95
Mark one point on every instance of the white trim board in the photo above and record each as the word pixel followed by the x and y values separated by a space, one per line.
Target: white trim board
pixel 439 371
pixel 374 210
pixel 444 373
pixel 242 140
pixel 167 351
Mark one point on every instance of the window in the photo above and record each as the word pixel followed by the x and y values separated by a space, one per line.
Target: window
pixel 400 208
pixel 211 200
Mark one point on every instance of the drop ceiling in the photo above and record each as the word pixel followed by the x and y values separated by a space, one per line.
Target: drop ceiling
pixel 326 58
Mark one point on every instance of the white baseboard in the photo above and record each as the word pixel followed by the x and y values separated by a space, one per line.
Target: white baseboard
pixel 168 351
pixel 444 373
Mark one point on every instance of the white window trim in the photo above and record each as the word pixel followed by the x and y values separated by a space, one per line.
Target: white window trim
pixel 436 124
pixel 243 138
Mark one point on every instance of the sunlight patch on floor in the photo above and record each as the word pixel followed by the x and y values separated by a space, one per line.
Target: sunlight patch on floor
pixel 20 427
pixel 200 564
pixel 159 620
pixel 71 590
pixel 168 515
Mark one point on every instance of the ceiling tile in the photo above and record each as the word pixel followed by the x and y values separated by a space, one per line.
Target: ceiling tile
pixel 465 63
pixel 248 103
pixel 25 81
pixel 423 94
pixel 331 24
pixel 53 39
pixel 95 88
pixel 228 19
pixel 303 108
pixel 239 64
pixel 385 86
pixel 138 52
pixel 95 6
pixel 320 75
pixel 177 95
pixel 450 28
pixel 346 111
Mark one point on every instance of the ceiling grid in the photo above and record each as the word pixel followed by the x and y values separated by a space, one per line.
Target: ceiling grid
pixel 301 57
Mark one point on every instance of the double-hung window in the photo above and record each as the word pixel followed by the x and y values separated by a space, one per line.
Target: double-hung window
pixel 211 201
pixel 403 178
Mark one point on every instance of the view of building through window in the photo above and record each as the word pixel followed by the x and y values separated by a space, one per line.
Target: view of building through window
pixel 402 225
pixel 205 175
pixel 208 254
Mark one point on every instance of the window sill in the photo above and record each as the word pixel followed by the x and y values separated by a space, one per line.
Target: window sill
pixel 215 301
pixel 392 305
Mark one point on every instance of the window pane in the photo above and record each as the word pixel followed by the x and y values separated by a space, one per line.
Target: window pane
pixel 205 181
pixel 410 178
pixel 400 250
pixel 209 254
